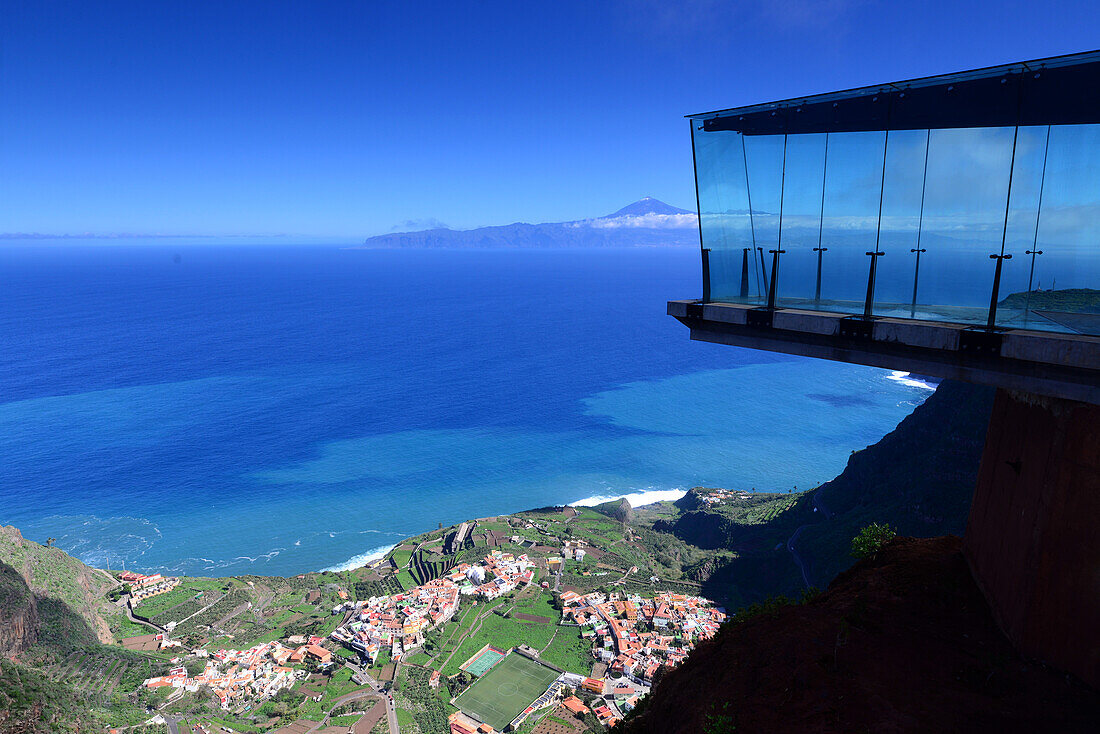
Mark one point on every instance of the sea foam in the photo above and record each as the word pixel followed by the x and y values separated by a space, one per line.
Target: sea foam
pixel 362 559
pixel 636 499
pixel 904 378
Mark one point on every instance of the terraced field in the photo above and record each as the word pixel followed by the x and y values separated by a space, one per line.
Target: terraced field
pixel 185 609
pixel 219 610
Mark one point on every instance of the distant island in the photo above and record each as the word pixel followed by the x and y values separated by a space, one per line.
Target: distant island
pixel 645 223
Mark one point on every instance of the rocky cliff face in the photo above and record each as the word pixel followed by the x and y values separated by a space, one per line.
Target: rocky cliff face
pixel 49 572
pixel 18 613
pixel 919 478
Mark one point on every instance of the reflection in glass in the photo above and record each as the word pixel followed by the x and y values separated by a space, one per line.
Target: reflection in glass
pixel 937 203
pixel 725 224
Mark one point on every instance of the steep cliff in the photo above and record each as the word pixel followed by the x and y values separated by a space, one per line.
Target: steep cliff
pixel 18 613
pixel 53 574
pixel 919 478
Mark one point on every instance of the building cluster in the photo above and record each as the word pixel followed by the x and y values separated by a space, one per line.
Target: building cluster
pixel 718 496
pixel 236 676
pixel 398 622
pixel 142 587
pixel 636 637
pixel 574 549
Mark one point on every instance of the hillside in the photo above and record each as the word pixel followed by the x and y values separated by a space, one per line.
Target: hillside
pixel 55 676
pixel 903 642
pixel 31 703
pixel 18 614
pixel 52 573
pixel 919 478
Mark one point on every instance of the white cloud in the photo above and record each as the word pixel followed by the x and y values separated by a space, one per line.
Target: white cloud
pixel 644 221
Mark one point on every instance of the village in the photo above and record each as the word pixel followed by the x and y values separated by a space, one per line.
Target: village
pixel 510 615
pixel 398 622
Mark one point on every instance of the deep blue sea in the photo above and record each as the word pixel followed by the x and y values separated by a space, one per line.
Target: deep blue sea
pixel 274 409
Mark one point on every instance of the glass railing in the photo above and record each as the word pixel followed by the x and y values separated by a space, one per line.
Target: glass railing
pixel 985 226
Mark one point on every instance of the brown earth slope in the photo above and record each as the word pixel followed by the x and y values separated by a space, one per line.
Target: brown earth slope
pixel 903 642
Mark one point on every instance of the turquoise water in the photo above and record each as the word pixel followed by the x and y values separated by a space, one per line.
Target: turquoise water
pixel 277 409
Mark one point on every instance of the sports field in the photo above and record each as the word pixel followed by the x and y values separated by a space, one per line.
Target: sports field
pixel 507 689
pixel 482 662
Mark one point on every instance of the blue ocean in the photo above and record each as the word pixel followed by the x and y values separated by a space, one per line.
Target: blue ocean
pixel 273 409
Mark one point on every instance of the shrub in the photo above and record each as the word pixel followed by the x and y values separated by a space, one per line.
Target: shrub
pixel 871 539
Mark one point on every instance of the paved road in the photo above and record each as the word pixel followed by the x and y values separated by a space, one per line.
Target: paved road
pixel 135 620
pixel 376 688
pixel 173 724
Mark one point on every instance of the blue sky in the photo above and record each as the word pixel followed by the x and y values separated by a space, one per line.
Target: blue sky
pixel 340 120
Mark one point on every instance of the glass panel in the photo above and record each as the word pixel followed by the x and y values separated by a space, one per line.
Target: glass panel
pixel 1066 295
pixel 724 215
pixel 899 235
pixel 945 193
pixel 853 180
pixel 964 210
pixel 802 187
pixel 764 163
pixel 1027 182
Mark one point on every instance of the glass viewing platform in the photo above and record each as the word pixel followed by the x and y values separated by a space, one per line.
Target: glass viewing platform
pixel 970 198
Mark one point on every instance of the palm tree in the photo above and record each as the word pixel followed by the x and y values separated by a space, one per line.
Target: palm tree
pixel 50 542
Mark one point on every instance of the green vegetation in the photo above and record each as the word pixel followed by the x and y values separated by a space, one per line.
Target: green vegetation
pixel 381 586
pixel 34 703
pixel 400 556
pixel 569 651
pixel 870 539
pixel 122 628
pixel 420 700
pixel 501 694
pixel 405 720
pixel 346 720
pixel 502 633
pixel 405 578
pixel 188 589
pixel 50 572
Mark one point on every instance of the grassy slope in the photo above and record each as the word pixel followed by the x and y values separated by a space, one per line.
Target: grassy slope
pixel 52 572
pixel 30 703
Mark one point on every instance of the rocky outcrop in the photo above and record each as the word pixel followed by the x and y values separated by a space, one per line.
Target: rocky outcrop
pixel 18 614
pixel 619 509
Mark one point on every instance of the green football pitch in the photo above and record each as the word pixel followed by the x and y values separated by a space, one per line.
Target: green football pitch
pixel 506 690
